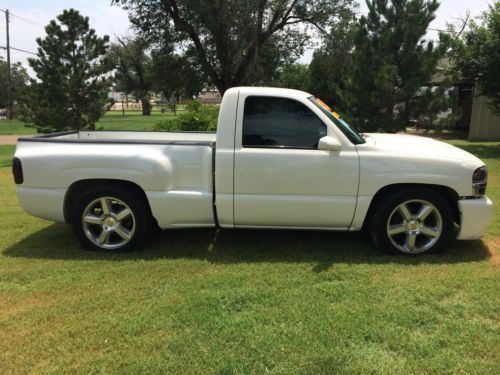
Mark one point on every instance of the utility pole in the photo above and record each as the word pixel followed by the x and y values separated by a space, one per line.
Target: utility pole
pixel 9 81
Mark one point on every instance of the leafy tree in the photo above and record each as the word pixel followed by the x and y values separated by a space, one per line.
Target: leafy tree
pixel 71 90
pixel 277 57
pixel 392 66
pixel 476 54
pixel 227 37
pixel 19 80
pixel 293 76
pixel 174 76
pixel 133 70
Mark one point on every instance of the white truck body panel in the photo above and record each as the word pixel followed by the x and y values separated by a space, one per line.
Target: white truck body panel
pixel 177 179
pixel 323 193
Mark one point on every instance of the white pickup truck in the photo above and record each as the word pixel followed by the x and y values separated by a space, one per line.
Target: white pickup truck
pixel 280 159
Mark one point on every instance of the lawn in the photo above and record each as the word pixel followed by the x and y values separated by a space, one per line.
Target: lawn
pixel 8 127
pixel 132 120
pixel 281 302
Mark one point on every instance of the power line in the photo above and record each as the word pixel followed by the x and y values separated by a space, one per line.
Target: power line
pixel 31 22
pixel 440 30
pixel 18 49
pixel 34 23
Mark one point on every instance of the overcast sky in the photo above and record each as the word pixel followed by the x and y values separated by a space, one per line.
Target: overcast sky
pixel 34 14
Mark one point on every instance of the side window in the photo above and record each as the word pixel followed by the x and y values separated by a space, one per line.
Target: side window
pixel 280 122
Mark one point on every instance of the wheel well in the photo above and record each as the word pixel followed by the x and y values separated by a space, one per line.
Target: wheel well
pixel 448 193
pixel 77 188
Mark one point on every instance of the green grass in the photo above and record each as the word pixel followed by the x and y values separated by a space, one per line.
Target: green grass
pixel 6 153
pixel 9 127
pixel 133 120
pixel 197 301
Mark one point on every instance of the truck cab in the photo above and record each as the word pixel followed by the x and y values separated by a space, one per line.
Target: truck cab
pixel 302 171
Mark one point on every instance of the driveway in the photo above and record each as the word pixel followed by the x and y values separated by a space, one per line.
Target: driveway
pixel 10 139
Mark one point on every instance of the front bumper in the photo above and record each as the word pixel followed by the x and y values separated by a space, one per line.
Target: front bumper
pixel 475 216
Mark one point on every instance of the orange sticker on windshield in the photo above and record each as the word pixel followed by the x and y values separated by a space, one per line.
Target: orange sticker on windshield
pixel 324 105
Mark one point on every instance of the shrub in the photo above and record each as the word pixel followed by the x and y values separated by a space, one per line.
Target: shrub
pixel 198 117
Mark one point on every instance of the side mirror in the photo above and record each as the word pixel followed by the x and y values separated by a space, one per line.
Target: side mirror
pixel 329 143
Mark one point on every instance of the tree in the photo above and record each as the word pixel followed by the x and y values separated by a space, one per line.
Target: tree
pixel 390 79
pixel 71 90
pixel 133 67
pixel 293 76
pixel 329 68
pixel 227 36
pixel 174 76
pixel 277 57
pixel 19 80
pixel 476 54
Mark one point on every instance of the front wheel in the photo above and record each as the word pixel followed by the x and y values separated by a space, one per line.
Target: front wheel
pixel 412 222
pixel 110 220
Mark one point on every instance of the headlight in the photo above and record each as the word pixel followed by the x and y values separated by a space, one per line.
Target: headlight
pixel 479 181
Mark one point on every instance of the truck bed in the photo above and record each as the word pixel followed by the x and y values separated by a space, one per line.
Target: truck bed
pixel 125 137
pixel 175 171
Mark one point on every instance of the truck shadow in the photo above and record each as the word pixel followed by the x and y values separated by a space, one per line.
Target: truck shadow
pixel 242 246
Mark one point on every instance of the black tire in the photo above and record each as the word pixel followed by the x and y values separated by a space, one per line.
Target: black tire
pixel 387 208
pixel 137 224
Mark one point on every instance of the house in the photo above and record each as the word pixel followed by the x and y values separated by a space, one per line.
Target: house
pixel 210 97
pixel 484 122
pixel 478 119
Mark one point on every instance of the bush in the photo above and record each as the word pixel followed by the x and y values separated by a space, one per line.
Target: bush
pixel 199 117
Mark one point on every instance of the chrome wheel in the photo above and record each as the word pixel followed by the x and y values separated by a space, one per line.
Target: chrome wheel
pixel 108 223
pixel 415 226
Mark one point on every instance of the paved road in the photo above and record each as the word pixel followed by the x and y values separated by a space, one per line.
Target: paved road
pixel 10 139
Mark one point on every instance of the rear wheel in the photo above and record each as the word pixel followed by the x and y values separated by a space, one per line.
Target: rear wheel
pixel 412 222
pixel 111 220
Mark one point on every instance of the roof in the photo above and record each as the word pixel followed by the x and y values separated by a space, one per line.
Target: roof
pixel 270 91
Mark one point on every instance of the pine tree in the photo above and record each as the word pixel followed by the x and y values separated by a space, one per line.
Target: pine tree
pixel 329 68
pixel 70 90
pixel 393 64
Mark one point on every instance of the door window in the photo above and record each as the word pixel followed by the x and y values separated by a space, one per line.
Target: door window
pixel 280 123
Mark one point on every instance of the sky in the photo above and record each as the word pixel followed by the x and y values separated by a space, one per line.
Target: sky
pixel 29 17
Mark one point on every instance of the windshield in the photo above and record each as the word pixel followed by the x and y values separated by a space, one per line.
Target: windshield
pixel 344 127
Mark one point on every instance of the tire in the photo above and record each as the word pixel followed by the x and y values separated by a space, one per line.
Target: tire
pixel 411 221
pixel 115 219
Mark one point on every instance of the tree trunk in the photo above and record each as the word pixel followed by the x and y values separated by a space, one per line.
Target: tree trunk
pixel 146 107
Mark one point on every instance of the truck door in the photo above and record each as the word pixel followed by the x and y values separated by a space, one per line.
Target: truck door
pixel 281 179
